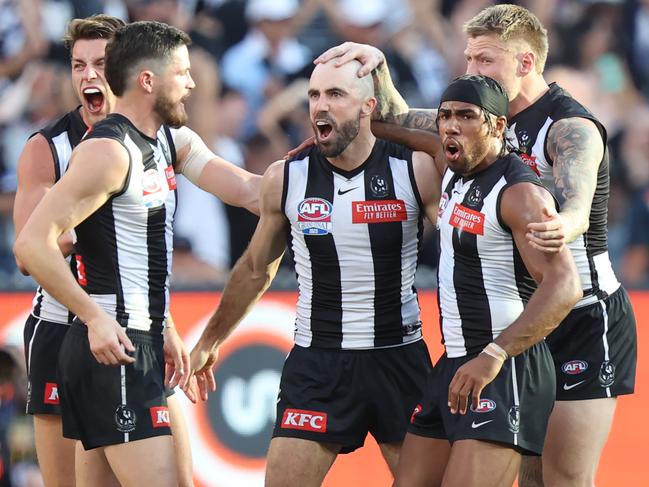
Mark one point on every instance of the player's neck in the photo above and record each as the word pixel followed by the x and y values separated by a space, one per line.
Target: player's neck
pixel 140 113
pixel 356 152
pixel 531 90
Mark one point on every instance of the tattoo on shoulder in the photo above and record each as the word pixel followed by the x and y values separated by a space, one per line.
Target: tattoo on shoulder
pixel 421 119
pixel 575 146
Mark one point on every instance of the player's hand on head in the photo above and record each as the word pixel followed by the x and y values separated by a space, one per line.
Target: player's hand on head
pixel 177 368
pixel 469 381
pixel 202 364
pixel 109 342
pixel 369 56
pixel 303 145
pixel 548 235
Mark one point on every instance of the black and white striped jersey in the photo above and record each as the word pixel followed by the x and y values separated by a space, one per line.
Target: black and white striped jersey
pixel 528 132
pixel 62 135
pixel 124 248
pixel 354 237
pixel 483 283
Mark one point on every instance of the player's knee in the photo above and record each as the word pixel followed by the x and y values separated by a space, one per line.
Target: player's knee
pixel 568 475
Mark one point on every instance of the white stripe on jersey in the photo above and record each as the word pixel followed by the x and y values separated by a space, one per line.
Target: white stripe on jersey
pixel 299 171
pixel 355 311
pixel 409 248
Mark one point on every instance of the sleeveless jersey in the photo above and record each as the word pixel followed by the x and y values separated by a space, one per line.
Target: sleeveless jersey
pixel 483 283
pixel 528 132
pixel 62 135
pixel 124 248
pixel 354 236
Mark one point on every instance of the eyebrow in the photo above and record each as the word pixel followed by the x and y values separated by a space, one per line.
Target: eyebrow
pixel 461 111
pixel 94 60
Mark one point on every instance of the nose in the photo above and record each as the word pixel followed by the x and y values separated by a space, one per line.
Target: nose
pixel 89 73
pixel 450 126
pixel 190 84
pixel 472 67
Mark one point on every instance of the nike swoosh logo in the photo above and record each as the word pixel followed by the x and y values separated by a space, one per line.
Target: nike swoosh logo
pixel 340 192
pixel 567 387
pixel 475 425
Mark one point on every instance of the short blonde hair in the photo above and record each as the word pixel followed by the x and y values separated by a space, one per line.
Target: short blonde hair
pixel 511 22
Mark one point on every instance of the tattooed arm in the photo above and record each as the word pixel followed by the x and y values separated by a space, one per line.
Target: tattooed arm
pixel 576 147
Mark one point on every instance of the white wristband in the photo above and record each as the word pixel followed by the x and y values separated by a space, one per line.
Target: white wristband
pixel 496 351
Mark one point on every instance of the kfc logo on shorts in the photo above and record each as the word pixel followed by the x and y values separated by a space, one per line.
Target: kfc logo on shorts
pixel 379 211
pixel 484 406
pixel 160 416
pixel 574 367
pixel 467 220
pixel 314 216
pixel 125 419
pixel 51 395
pixel 298 419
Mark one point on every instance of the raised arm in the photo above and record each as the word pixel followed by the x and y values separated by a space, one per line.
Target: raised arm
pixel 557 292
pixel 35 177
pixel 576 148
pixel 250 277
pixel 101 171
pixel 229 183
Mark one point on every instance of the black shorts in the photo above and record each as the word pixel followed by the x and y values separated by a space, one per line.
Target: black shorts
pixel 42 341
pixel 595 350
pixel 106 405
pixel 338 396
pixel 514 408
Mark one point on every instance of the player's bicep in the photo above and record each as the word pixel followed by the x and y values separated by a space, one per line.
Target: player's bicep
pixel 269 240
pixel 98 168
pixel 576 149
pixel 36 175
pixel 524 203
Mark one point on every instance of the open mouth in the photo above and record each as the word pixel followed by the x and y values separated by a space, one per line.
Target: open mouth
pixel 324 129
pixel 94 99
pixel 452 149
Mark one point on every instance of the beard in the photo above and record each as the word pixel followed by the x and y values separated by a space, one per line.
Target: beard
pixel 172 114
pixel 344 136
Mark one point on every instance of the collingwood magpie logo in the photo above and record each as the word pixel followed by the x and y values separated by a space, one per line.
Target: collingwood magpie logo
pixel 125 419
pixel 606 374
pixel 514 419
pixel 475 196
pixel 378 186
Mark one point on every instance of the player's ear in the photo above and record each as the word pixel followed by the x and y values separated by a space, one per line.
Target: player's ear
pixel 526 62
pixel 145 80
pixel 368 106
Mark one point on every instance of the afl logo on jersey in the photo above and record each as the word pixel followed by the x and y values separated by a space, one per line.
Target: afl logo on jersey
pixel 314 216
pixel 485 406
pixel 574 367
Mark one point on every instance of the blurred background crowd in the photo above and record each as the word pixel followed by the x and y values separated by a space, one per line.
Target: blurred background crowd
pixel 251 60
